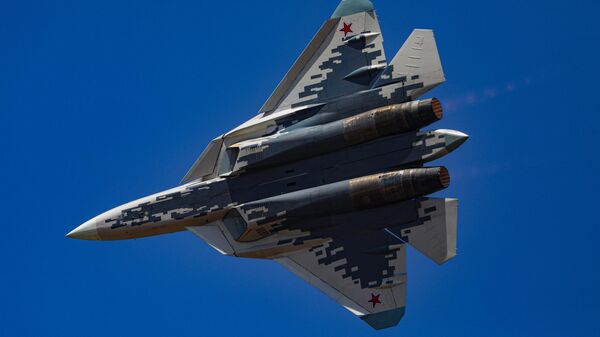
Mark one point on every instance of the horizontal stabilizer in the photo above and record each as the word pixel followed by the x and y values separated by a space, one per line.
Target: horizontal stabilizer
pixel 435 236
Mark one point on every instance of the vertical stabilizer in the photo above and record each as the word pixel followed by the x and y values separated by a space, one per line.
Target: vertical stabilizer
pixel 435 233
pixel 417 64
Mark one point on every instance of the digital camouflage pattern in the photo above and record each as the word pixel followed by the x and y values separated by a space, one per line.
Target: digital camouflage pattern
pixel 329 178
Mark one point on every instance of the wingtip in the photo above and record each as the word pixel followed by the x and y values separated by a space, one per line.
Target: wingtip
pixel 349 7
pixel 385 319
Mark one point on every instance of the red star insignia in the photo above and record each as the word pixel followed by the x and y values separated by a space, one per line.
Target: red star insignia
pixel 347 29
pixel 375 300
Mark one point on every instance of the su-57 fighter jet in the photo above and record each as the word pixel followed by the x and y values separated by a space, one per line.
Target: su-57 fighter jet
pixel 329 178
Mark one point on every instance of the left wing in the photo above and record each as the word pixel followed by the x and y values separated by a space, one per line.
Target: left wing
pixel 344 57
pixel 365 273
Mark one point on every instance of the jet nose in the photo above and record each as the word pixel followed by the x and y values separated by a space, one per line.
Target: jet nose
pixel 87 231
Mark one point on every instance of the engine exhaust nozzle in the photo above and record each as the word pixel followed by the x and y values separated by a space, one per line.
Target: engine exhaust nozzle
pixel 397 186
pixel 392 119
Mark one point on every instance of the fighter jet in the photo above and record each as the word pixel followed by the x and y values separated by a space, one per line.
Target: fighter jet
pixel 330 178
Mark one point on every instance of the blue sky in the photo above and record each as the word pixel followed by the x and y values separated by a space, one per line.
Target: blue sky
pixel 102 102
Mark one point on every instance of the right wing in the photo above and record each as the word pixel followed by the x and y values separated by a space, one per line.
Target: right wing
pixel 344 57
pixel 359 260
pixel 366 274
pixel 364 271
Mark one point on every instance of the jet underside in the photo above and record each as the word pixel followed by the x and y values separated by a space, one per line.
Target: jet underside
pixel 331 179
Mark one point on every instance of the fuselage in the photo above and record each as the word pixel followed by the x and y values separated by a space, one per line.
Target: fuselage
pixel 360 148
pixel 329 179
pixel 166 212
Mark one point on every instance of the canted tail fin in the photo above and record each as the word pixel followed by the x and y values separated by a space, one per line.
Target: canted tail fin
pixel 417 64
pixel 434 234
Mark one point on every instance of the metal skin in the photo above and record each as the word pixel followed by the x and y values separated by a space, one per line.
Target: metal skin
pixel 320 139
pixel 329 179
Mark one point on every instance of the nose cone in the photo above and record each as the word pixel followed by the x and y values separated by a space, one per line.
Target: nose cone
pixel 87 231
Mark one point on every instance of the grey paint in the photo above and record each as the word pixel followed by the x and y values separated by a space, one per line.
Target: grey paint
pixel 329 178
pixel 349 7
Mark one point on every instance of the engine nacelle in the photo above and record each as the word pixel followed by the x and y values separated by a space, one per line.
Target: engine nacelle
pixel 258 219
pixel 299 144
pixel 391 119
pixel 380 189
